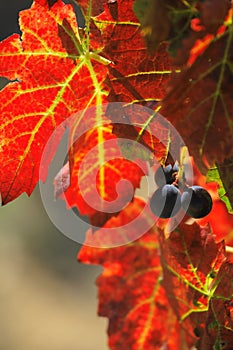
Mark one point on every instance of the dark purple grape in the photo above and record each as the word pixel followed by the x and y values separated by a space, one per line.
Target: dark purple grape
pixel 196 201
pixel 165 175
pixel 166 201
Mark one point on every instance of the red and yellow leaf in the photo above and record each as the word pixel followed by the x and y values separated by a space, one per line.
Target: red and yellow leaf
pixel 218 333
pixel 134 76
pixel 130 292
pixel 199 102
pixel 192 263
pixel 56 70
pixel 53 75
pixel 102 180
pixel 51 79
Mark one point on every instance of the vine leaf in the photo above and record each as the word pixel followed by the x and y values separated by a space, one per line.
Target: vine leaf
pixel 144 77
pixel 106 163
pixel 223 227
pixel 199 102
pixel 206 20
pixel 142 125
pixel 102 180
pixel 130 290
pixel 47 85
pixel 53 74
pixel 97 6
pixel 219 323
pixel 193 265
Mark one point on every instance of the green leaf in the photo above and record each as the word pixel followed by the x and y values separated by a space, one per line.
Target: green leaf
pixel 222 175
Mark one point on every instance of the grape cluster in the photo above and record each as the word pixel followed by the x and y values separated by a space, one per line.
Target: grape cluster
pixel 167 200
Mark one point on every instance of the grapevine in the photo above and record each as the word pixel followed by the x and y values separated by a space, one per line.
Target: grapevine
pixel 143 89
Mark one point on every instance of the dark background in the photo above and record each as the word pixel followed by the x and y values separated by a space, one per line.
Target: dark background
pixel 48 301
pixel 9 10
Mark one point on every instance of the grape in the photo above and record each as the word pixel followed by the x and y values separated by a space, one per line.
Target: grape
pixel 196 201
pixel 165 175
pixel 166 201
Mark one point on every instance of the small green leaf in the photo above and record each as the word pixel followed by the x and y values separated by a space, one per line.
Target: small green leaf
pixel 223 176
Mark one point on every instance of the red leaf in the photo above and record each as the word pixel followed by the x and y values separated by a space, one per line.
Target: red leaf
pixel 208 21
pixel 130 292
pixel 47 3
pixel 50 83
pixel 199 103
pixel 97 6
pixel 134 75
pixel 97 170
pixel 54 77
pixel 151 133
pixel 213 13
pixel 219 323
pixel 191 259
pixel 106 169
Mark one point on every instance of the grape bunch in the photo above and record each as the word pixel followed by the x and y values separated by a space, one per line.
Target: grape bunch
pixel 168 199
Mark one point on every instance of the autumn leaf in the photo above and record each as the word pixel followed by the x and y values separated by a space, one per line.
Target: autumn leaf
pixel 151 133
pixel 223 226
pixel 51 78
pixel 97 6
pixel 205 20
pixel 157 292
pixel 53 75
pixel 107 161
pixel 188 27
pixel 130 292
pixel 199 103
pixel 192 262
pixel 47 3
pixel 134 75
pixel 102 181
pixel 218 332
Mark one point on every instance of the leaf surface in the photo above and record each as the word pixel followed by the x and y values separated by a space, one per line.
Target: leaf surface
pixel 53 75
pixel 219 323
pixel 134 76
pixel 199 102
pixel 130 291
pixel 107 161
pixel 206 20
pixel 50 81
pixel 193 265
pixel 102 180
pixel 97 6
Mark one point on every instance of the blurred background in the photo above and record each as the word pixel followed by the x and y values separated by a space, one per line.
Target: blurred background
pixel 48 301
